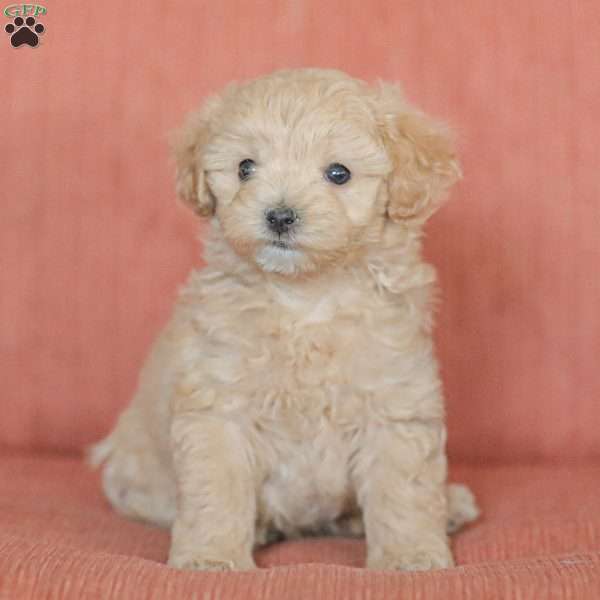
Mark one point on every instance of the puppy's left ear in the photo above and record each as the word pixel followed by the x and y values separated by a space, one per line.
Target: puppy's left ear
pixel 424 163
pixel 187 144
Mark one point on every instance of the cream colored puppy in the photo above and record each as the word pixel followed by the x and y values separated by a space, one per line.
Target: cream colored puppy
pixel 295 389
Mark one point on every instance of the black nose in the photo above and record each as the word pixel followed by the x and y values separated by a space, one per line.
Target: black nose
pixel 280 220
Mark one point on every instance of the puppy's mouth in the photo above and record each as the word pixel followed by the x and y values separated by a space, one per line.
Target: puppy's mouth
pixel 281 256
pixel 281 245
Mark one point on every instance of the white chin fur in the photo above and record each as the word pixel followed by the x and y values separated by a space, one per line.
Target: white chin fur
pixel 280 260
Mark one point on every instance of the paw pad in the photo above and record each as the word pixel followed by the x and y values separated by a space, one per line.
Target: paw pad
pixel 24 31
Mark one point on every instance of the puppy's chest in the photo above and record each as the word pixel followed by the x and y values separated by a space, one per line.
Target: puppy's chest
pixel 310 361
pixel 292 359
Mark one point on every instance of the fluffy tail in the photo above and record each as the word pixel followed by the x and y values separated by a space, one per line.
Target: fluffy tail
pixel 98 453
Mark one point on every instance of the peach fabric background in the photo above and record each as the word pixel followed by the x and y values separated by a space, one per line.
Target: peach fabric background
pixel 93 245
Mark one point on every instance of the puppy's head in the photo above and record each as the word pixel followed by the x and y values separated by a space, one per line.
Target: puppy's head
pixel 304 169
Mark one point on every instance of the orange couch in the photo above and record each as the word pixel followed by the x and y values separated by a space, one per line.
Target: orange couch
pixel 93 247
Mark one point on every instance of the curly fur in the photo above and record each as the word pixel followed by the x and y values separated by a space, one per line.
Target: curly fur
pixel 296 390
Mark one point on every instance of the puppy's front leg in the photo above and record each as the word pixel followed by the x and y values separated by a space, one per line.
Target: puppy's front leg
pixel 216 506
pixel 401 487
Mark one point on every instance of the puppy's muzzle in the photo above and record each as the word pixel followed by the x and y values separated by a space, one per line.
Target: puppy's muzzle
pixel 280 220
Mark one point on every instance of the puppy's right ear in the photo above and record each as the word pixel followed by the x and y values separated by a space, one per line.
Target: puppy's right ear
pixel 424 162
pixel 187 145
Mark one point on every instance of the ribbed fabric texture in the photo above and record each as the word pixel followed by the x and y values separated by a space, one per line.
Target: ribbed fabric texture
pixel 539 539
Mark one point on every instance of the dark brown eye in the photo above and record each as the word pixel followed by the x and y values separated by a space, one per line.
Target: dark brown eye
pixel 337 173
pixel 246 169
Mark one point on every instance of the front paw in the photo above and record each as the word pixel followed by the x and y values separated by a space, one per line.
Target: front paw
pixel 412 560
pixel 205 562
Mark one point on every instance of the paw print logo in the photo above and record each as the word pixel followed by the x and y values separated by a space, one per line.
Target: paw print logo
pixel 24 32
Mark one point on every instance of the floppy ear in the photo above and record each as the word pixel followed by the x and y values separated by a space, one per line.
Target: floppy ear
pixel 187 144
pixel 424 164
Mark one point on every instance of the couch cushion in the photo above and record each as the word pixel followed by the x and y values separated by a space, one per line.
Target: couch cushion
pixel 93 246
pixel 539 537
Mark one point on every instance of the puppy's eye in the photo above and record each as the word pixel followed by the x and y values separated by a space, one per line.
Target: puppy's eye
pixel 246 169
pixel 338 174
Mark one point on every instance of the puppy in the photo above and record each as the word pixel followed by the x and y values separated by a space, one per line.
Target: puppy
pixel 295 390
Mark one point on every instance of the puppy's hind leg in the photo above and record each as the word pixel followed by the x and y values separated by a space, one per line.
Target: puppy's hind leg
pixel 462 507
pixel 134 479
